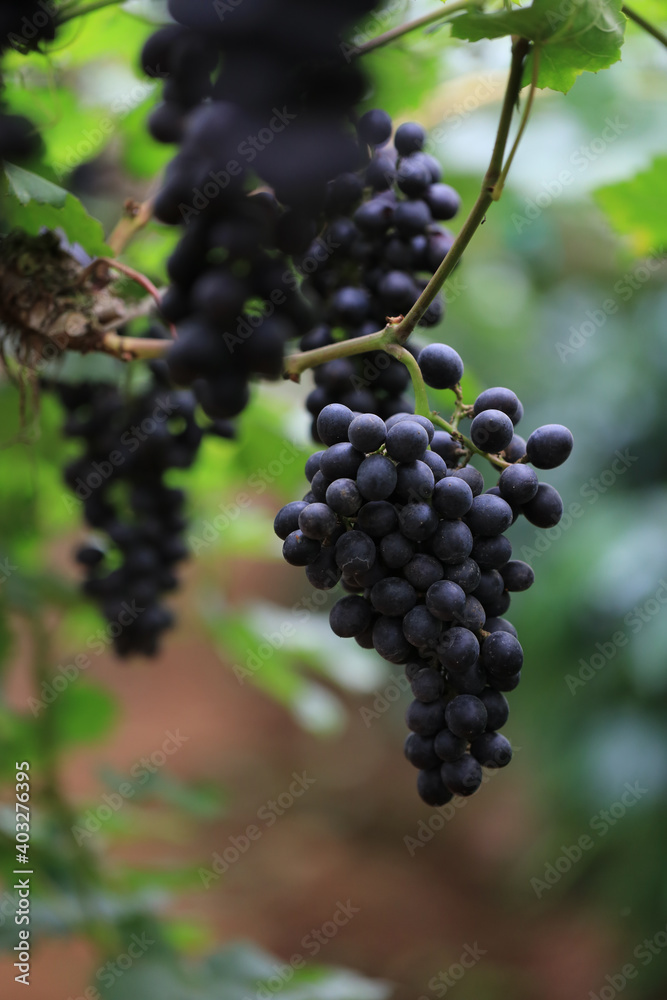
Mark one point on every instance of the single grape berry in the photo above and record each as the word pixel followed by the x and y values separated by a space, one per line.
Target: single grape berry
pixel 449 747
pixel 298 550
pixel 518 484
pixel 367 432
pixel 420 628
pixel 376 477
pixel 343 497
pixel 355 552
pixel 317 521
pixel 287 518
pixel 350 616
pixel 406 441
pixel 549 446
pixel 420 752
pixel 545 509
pixel 377 518
pixel 452 497
pixel 466 716
pixel 492 750
pixel 431 788
pixel 422 571
pixel 501 654
pixel 374 127
pixel 417 521
pixel 517 575
pixel 459 649
pixel 473 477
pixel 393 596
pixel 491 431
pixel 497 709
pixel 462 776
pixel 428 685
pixel 333 422
pixel 441 366
pixel 443 201
pixel 489 515
pixel 499 398
pixel 410 138
pixel 446 600
pixel 425 718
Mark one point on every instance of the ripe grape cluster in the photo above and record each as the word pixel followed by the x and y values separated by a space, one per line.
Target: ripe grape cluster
pixel 397 516
pixel 382 242
pixel 258 95
pixel 130 446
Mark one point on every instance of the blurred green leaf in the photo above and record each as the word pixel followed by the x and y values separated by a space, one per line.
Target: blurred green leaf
pixel 635 209
pixel 26 187
pixel 35 204
pixel 83 712
pixel 238 971
pixel 573 38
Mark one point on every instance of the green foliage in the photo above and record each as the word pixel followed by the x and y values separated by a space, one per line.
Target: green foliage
pixel 240 970
pixel 35 202
pixel 84 712
pixel 635 208
pixel 571 38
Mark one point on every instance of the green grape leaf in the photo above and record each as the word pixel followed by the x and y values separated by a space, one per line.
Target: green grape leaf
pixel 634 208
pixel 27 187
pixel 573 38
pixel 33 204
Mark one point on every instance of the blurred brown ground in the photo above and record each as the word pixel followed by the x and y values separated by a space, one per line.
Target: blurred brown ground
pixel 342 840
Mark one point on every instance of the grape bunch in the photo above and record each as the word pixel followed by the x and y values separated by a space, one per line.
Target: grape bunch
pixel 383 241
pixel 259 99
pixel 397 516
pixel 130 446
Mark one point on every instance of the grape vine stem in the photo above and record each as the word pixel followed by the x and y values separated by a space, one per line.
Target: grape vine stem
pixel 421 396
pixel 136 216
pixel 632 15
pixel 69 14
pixel 419 22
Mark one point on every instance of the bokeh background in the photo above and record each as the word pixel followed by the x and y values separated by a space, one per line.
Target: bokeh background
pixel 551 882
